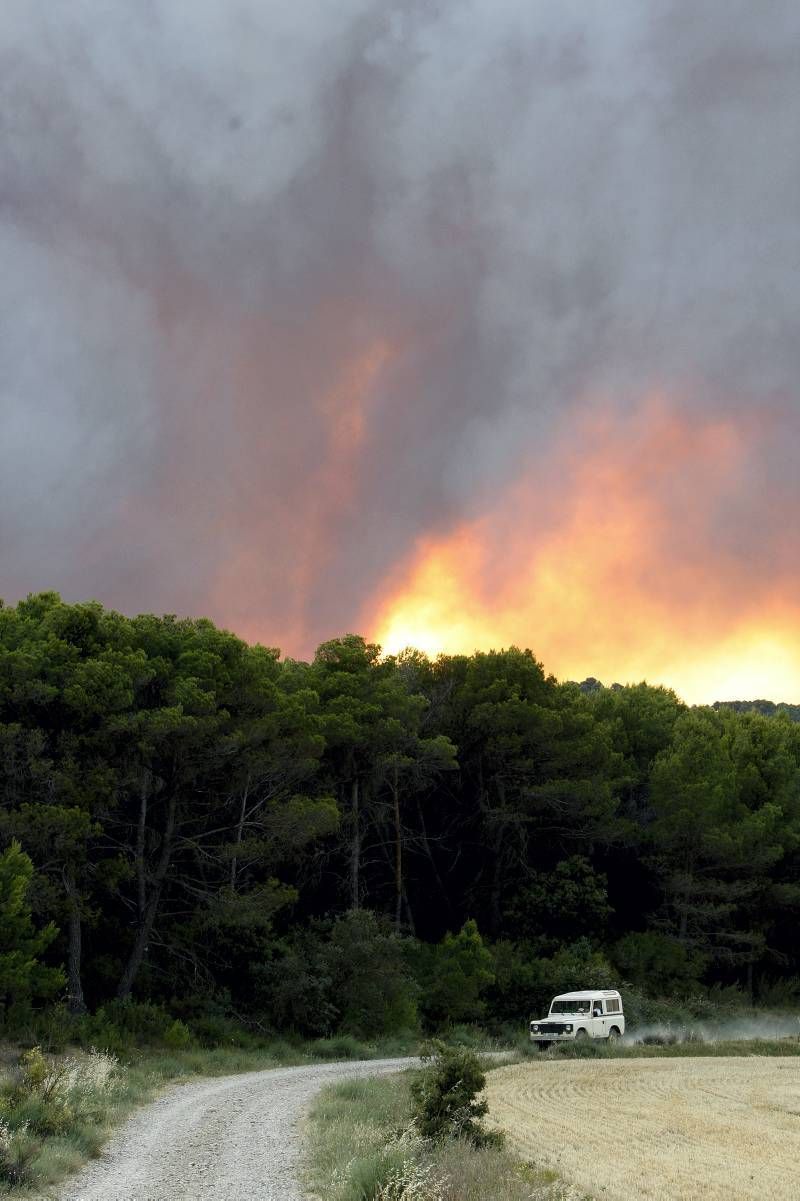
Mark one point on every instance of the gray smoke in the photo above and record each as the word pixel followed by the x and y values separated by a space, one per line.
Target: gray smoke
pixel 210 209
pixel 763 1026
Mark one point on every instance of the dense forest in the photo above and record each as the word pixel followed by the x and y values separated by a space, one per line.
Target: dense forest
pixel 365 843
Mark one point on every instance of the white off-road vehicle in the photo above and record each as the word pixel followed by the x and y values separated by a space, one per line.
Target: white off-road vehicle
pixel 595 1013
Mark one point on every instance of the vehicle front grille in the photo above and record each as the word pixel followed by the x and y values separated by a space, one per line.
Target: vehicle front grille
pixel 551 1028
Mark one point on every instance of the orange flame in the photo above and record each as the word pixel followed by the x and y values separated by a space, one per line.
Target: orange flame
pixel 309 515
pixel 607 562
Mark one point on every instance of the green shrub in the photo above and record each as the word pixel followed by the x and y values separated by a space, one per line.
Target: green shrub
pixel 178 1036
pixel 216 1030
pixel 349 975
pixel 281 1050
pixel 780 994
pixel 445 1096
pixel 579 965
pixel 294 987
pixel 53 1028
pixel 117 1027
pixel 520 986
pixel 109 1038
pixel 454 976
pixel 472 1036
pixel 525 981
pixel 341 1046
pixel 372 987
pixel 658 962
pixel 141 1022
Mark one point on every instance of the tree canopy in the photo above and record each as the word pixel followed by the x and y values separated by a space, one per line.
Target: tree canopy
pixel 199 821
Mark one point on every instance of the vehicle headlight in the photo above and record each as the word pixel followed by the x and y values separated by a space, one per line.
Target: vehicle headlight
pixel 568 1027
pixel 534 1029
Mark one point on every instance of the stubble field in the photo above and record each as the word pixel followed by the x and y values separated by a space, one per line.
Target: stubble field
pixel 716 1129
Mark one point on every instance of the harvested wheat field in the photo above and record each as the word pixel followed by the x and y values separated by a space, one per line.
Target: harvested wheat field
pixel 668 1129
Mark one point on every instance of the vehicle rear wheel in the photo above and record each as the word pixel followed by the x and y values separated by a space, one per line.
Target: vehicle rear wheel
pixel 580 1035
pixel 613 1035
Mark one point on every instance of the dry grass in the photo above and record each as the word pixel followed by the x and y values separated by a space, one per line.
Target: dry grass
pixel 715 1129
pixel 469 1174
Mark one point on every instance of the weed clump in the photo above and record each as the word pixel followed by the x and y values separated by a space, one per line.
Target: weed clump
pixel 394 1169
pixel 17 1149
pixel 50 1098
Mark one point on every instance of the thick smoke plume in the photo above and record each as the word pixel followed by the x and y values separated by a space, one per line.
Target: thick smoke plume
pixel 290 293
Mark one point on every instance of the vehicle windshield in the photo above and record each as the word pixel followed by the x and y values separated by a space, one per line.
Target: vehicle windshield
pixel 576 1006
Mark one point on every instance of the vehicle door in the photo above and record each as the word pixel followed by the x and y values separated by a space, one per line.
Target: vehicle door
pixel 599 1019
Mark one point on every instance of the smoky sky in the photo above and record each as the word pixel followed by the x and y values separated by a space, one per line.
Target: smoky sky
pixel 284 288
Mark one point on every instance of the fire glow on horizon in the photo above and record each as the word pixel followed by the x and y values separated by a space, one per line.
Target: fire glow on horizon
pixel 611 561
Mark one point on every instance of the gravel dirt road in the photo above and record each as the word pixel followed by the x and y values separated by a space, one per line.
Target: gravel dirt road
pixel 234 1138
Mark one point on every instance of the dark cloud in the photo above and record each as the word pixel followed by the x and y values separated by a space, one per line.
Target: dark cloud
pixel 284 287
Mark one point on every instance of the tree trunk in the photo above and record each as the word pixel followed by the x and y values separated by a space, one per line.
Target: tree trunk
pixel 141 833
pixel 495 838
pixel 409 913
pixel 398 855
pixel 239 834
pixel 684 898
pixel 151 909
pixel 75 1001
pixel 426 846
pixel 355 848
pixel 499 878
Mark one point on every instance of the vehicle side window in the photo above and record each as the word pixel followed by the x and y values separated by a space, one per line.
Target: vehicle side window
pixel 597 1008
pixel 612 1006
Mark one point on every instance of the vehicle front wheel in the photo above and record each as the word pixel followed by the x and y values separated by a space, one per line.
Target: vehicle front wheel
pixel 613 1035
pixel 580 1035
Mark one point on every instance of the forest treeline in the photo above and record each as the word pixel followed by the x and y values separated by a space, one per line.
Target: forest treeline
pixel 359 842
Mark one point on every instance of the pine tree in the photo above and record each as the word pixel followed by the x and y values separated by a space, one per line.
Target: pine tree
pixel 22 976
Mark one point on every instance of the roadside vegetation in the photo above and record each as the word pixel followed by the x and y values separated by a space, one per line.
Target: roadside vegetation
pixel 419 1136
pixel 56 1112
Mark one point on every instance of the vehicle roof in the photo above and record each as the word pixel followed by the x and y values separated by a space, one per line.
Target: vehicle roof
pixel 586 994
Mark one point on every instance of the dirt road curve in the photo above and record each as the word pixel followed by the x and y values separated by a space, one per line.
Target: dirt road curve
pixel 235 1138
pixel 661 1129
